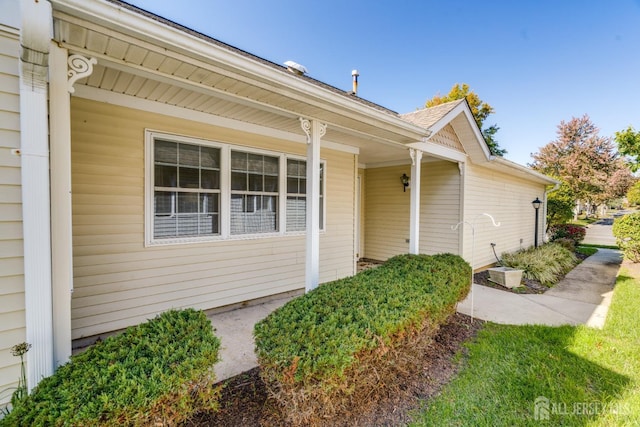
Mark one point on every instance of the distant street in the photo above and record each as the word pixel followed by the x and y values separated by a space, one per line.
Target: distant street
pixel 600 233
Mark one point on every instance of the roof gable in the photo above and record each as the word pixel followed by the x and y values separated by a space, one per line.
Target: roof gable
pixel 458 115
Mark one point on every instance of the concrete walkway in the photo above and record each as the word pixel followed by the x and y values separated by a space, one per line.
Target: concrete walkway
pixel 235 330
pixel 600 233
pixel 582 297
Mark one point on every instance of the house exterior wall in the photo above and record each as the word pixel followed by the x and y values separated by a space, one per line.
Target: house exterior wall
pixel 508 200
pixel 439 207
pixel 119 282
pixel 12 308
pixel 387 210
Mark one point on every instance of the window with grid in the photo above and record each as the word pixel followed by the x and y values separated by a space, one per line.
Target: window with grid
pixel 297 195
pixel 186 196
pixel 254 193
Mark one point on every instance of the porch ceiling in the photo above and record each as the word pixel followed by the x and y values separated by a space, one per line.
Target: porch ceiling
pixel 132 65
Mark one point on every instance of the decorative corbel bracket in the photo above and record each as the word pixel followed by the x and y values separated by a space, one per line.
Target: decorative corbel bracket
pixel 307 127
pixel 79 67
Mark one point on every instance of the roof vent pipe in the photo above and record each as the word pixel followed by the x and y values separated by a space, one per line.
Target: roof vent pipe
pixel 355 75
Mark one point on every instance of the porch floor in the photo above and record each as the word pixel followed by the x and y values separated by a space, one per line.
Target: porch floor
pixel 235 330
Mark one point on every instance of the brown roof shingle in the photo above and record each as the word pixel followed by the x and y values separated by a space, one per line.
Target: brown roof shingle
pixel 426 117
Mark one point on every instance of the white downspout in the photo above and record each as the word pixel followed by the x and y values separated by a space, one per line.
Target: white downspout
pixel 35 37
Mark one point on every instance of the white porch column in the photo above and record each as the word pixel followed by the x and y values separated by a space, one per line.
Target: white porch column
pixel 60 163
pixel 314 131
pixel 414 210
pixel 34 147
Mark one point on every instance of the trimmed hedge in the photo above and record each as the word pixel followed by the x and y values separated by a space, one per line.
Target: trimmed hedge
pixel 323 351
pixel 627 232
pixel 156 373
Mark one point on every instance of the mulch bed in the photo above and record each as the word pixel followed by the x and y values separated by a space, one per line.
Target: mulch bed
pixel 529 286
pixel 245 401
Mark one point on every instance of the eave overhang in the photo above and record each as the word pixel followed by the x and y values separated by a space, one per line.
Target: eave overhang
pixel 141 50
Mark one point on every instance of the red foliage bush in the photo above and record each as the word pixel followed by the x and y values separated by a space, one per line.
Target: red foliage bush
pixel 572 232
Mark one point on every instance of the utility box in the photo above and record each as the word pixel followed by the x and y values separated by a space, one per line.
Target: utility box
pixel 506 276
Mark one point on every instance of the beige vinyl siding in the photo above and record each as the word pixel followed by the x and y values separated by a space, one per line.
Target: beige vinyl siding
pixel 119 282
pixel 387 210
pixel 12 310
pixel 337 242
pixel 508 200
pixel 439 207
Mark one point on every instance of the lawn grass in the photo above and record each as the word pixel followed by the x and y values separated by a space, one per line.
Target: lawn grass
pixel 596 245
pixel 586 250
pixel 589 376
pixel 584 221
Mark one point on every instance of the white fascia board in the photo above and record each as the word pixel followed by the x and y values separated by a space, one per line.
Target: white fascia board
pixel 143 27
pixel 439 151
pixel 129 101
pixel 512 168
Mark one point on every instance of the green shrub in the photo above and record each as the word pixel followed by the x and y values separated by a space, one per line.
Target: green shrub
pixel 545 264
pixel 342 341
pixel 627 232
pixel 559 211
pixel 158 372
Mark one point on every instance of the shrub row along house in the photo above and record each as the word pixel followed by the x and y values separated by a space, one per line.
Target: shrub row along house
pixel 145 166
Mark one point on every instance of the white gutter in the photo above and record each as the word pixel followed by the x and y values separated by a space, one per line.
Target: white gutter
pixel 34 146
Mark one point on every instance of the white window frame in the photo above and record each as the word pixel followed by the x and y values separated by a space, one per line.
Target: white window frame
pixel 225 191
pixel 323 191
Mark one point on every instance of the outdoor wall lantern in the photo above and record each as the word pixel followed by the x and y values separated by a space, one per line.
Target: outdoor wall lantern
pixel 405 181
pixel 536 205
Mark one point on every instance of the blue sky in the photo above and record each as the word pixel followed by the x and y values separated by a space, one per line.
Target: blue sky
pixel 536 62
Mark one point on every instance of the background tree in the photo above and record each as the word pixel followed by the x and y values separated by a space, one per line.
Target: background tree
pixel 587 162
pixel 628 142
pixel 620 182
pixel 480 110
pixel 633 195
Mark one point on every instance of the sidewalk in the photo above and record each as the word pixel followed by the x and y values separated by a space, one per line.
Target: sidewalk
pixel 600 233
pixel 582 297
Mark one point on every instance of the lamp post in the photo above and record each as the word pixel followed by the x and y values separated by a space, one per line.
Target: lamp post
pixel 536 205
